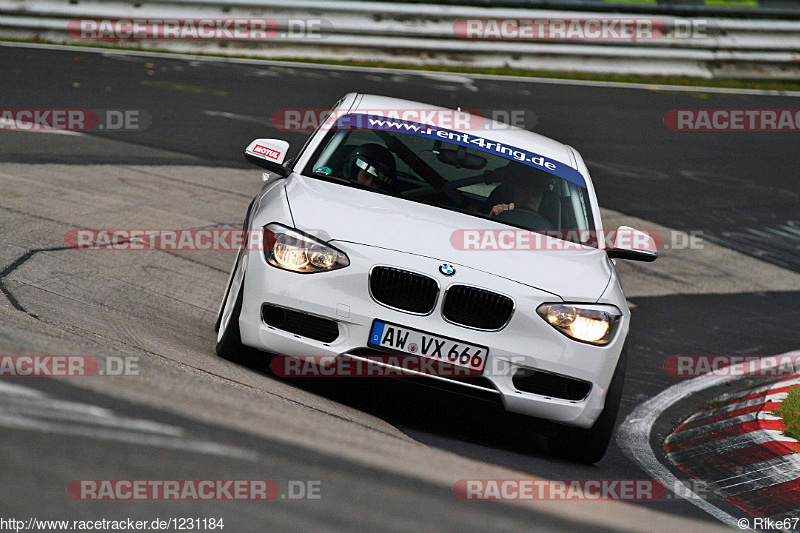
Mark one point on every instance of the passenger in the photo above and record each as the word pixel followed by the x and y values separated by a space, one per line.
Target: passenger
pixel 524 190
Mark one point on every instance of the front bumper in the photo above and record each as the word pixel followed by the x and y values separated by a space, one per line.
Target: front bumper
pixel 343 295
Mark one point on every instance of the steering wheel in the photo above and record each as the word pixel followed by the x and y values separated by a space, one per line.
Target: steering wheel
pixel 525 218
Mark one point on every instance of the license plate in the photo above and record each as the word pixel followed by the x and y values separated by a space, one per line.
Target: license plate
pixel 412 341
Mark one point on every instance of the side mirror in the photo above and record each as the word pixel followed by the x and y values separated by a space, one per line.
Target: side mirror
pixel 268 154
pixel 633 244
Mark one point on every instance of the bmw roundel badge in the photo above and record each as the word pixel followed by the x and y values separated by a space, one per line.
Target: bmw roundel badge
pixel 447 269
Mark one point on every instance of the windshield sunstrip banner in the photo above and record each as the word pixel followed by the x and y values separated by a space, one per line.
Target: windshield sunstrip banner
pixel 532 159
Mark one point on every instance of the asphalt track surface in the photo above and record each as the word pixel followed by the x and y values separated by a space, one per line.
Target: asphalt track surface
pixel 361 441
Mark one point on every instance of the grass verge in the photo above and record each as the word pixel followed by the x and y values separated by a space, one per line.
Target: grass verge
pixel 789 410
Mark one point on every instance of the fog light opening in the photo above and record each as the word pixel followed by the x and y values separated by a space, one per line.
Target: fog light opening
pixel 274 316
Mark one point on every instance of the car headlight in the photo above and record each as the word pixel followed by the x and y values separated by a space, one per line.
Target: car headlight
pixel 293 250
pixel 594 324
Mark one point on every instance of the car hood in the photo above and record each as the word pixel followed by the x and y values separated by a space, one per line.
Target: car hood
pixel 334 212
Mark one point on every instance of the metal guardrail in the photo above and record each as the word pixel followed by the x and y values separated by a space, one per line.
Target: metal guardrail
pixel 358 30
pixel 787 9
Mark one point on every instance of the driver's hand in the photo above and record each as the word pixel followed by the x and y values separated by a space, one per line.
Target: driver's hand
pixel 499 208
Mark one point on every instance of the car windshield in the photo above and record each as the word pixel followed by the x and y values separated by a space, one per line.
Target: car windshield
pixel 456 171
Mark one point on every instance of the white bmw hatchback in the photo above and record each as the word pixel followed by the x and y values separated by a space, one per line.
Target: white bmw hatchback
pixel 425 234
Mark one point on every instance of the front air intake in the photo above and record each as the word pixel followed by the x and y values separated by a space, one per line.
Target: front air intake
pixel 303 324
pixel 551 385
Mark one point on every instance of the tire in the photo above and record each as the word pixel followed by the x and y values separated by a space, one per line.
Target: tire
pixel 589 445
pixel 239 254
pixel 227 293
pixel 229 344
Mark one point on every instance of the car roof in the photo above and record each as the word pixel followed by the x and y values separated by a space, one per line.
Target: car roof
pixel 489 129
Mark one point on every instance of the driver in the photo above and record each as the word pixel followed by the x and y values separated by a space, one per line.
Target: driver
pixel 526 190
pixel 372 165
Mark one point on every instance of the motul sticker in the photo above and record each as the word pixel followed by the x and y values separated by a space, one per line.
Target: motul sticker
pixel 267 152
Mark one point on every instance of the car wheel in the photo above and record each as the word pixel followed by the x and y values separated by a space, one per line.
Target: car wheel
pixel 229 339
pixel 590 445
